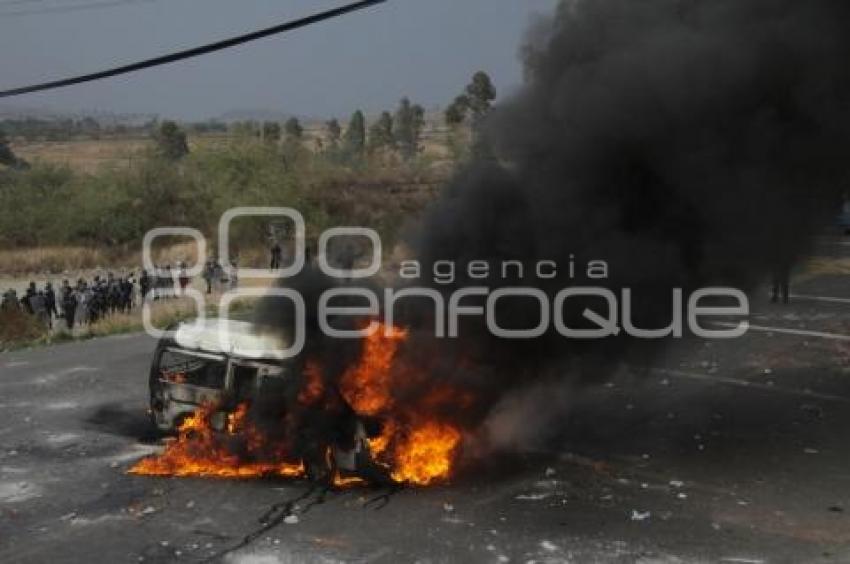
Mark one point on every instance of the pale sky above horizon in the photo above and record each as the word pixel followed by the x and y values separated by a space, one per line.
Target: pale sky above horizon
pixel 425 49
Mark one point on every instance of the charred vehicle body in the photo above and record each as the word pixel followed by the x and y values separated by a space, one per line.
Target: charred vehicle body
pixel 227 364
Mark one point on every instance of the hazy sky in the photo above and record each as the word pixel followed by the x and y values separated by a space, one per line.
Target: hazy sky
pixel 426 49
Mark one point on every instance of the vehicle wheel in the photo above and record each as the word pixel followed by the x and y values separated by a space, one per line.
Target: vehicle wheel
pixel 320 466
pixel 156 412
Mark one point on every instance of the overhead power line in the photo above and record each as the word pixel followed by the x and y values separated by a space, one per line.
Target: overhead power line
pixel 196 51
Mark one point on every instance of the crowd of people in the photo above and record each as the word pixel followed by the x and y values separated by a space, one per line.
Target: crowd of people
pixel 88 301
pixel 84 302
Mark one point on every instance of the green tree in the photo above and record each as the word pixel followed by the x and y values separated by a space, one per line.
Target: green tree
pixel 294 130
pixel 477 101
pixel 271 132
pixel 355 135
pixel 171 141
pixel 457 110
pixel 409 121
pixel 481 94
pixel 381 133
pixel 7 157
pixel 333 132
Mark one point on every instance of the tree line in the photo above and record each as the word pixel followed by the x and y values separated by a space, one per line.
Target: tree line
pixel 399 131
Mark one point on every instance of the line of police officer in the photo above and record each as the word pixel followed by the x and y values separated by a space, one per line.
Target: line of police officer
pixel 84 302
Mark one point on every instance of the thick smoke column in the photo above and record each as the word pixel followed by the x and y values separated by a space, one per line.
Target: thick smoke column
pixel 687 143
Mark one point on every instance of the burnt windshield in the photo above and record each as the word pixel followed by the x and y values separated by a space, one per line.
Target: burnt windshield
pixel 184 368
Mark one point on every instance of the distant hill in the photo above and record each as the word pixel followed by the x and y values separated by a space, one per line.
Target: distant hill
pixel 257 115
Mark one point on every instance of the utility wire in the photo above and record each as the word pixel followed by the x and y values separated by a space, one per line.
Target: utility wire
pixel 196 51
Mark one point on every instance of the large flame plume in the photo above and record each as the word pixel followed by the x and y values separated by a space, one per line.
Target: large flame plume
pixel 415 448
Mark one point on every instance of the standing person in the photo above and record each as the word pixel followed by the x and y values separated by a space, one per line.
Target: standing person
pixel 81 296
pixel 26 301
pixel 50 301
pixel 277 256
pixel 69 305
pixel 234 276
pixel 208 275
pixel 145 284
pixel 127 295
pixel 39 309
pixel 218 275
pixel 781 282
pixel 10 300
pixel 184 278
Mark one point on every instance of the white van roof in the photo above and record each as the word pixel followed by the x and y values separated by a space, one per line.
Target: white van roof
pixel 239 339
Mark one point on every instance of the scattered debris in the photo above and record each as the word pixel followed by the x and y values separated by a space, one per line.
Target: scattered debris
pixel 533 497
pixel 548 546
pixel 640 516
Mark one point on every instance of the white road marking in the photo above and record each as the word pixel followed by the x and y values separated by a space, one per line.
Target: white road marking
pixel 787 331
pixel 747 384
pixel 827 299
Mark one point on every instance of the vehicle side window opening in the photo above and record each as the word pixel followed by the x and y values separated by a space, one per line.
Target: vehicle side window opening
pixel 178 368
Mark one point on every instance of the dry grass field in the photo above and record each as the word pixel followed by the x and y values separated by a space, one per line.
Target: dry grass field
pixel 89 155
pixel 83 155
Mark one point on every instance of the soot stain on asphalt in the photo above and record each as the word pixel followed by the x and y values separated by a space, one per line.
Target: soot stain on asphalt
pixel 117 420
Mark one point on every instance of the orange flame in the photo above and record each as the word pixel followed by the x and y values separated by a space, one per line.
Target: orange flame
pixel 416 448
pixel 418 453
pixel 426 454
pixel 200 451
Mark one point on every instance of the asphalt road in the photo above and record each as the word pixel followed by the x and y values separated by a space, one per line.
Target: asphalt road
pixel 725 452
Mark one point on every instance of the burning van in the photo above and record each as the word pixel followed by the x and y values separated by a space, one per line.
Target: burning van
pixel 204 378
pixel 215 362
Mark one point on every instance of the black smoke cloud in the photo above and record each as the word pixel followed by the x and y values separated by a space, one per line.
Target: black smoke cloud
pixel 687 143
